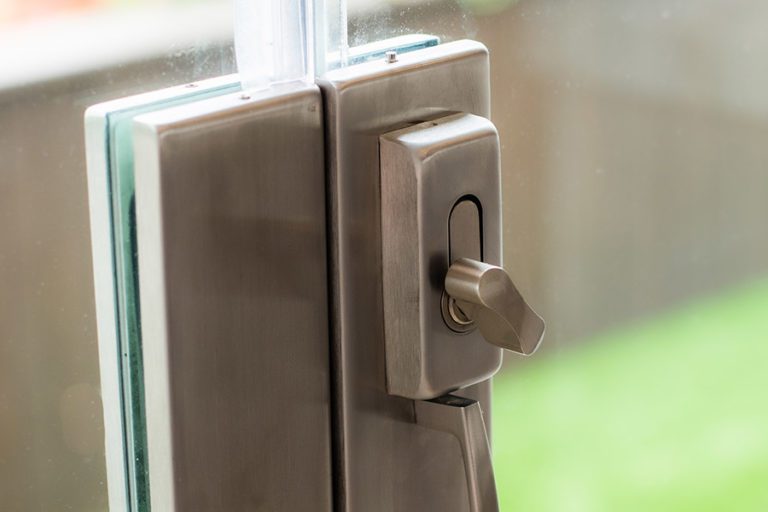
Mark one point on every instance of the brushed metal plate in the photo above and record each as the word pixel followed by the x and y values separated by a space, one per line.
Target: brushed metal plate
pixel 383 460
pixel 426 170
pixel 232 252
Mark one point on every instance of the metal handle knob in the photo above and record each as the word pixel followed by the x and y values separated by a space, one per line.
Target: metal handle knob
pixel 485 295
pixel 463 418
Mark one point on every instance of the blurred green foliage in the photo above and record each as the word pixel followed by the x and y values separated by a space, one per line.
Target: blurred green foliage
pixel 670 415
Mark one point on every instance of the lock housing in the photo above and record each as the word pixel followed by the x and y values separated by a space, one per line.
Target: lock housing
pixel 432 175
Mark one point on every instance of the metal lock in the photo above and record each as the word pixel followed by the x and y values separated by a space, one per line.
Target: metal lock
pixel 449 308
pixel 415 225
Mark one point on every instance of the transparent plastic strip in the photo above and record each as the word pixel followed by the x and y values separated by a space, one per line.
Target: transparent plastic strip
pixel 274 41
pixel 280 41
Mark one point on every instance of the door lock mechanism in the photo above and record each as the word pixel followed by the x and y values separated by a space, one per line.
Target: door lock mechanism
pixel 449 307
pixel 400 219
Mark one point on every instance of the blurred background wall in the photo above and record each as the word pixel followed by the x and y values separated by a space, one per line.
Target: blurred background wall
pixel 634 164
pixel 635 178
pixel 634 146
pixel 51 427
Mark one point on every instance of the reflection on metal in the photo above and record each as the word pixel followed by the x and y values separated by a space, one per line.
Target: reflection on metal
pixel 384 460
pixel 486 295
pixel 232 251
pixel 463 419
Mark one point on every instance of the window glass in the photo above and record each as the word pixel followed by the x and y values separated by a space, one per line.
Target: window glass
pixel 635 197
pixel 58 58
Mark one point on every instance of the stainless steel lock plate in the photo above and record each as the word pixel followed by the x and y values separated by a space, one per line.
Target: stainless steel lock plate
pixel 386 461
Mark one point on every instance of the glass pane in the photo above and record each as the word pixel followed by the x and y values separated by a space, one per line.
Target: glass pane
pixel 380 19
pixel 635 198
pixel 51 422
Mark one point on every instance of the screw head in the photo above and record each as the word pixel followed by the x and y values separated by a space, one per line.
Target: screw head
pixel 391 56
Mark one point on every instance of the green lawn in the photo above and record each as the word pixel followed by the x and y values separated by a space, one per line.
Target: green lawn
pixel 671 415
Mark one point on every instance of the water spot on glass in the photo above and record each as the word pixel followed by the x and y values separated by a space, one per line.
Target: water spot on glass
pixel 79 404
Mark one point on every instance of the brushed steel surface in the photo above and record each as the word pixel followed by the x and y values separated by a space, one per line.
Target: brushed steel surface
pixel 384 461
pixel 232 251
pixel 488 297
pixel 463 418
pixel 426 171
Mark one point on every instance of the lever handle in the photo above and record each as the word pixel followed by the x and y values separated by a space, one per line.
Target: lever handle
pixel 485 295
pixel 463 418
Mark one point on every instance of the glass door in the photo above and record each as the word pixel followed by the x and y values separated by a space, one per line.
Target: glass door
pixel 633 198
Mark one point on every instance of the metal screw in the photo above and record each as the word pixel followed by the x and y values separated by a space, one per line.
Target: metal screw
pixel 391 56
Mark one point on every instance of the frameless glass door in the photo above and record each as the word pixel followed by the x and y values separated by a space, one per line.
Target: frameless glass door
pixel 633 199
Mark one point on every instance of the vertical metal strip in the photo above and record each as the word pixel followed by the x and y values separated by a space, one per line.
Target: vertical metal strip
pixel 232 251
